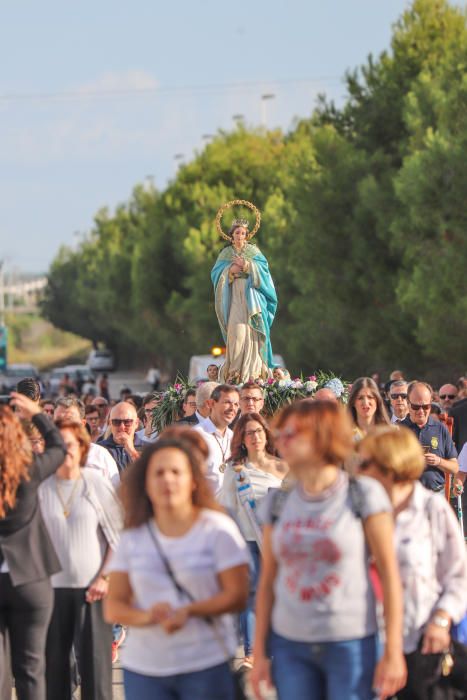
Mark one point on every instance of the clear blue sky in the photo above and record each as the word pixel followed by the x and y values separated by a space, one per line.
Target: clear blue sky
pixel 195 64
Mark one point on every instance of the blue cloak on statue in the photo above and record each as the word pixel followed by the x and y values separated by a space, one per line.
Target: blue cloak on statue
pixel 260 295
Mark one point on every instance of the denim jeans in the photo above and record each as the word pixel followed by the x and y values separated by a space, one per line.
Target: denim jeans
pixel 324 670
pixel 215 683
pixel 247 617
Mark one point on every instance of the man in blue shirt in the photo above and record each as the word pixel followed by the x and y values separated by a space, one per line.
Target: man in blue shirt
pixel 440 453
pixel 123 444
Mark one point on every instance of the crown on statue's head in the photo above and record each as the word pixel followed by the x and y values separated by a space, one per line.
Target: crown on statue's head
pixel 240 222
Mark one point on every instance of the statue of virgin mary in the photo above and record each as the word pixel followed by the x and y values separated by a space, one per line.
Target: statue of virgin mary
pixel 246 302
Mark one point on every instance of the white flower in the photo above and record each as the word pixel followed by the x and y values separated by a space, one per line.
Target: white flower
pixel 297 384
pixel 282 384
pixel 310 386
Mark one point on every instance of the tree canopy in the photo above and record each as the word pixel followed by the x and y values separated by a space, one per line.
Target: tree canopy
pixel 363 225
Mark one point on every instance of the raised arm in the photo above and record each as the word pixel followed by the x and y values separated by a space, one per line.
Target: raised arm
pixel 47 463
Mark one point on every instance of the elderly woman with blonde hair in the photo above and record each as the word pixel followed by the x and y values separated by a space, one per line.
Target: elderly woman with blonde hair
pixel 430 550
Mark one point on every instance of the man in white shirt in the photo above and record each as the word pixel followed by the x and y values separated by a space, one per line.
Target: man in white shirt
pixel 72 409
pixel 225 402
pixel 203 401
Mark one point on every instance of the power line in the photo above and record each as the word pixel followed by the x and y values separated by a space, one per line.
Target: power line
pixel 80 95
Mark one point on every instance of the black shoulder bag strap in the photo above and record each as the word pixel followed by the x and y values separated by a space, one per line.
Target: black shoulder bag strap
pixel 239 681
pixel 170 572
pixel 356 497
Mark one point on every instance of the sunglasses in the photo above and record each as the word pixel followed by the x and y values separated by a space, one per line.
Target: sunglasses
pixel 286 434
pixel 447 396
pixel 384 471
pixel 127 422
pixel 417 406
pixel 252 433
pixel 398 396
pixel 255 399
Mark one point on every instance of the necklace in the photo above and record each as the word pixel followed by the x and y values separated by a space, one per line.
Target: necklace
pixel 67 505
pixel 223 466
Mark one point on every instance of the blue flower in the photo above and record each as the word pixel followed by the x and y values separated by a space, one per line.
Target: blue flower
pixel 336 386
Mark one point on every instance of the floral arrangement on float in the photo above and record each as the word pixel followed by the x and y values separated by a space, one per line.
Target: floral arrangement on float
pixel 278 392
pixel 282 391
pixel 169 406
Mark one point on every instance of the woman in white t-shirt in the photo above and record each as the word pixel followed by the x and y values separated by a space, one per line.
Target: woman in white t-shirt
pixel 251 471
pixel 315 601
pixel 181 634
pixel 430 550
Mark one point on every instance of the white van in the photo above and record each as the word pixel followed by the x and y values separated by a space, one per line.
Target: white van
pixel 199 364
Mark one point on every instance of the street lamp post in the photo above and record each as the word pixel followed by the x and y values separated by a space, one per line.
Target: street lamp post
pixel 2 296
pixel 264 114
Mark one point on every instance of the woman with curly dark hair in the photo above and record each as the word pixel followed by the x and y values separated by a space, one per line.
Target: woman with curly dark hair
pixel 27 556
pixel 252 470
pixel 180 567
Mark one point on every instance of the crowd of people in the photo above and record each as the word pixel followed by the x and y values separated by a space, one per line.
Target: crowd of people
pixel 321 541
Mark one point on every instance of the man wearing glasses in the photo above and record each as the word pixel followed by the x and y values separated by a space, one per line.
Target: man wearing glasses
pixel 399 402
pixel 447 396
pixel 251 398
pixel 437 444
pixel 189 409
pixel 123 444
pixel 103 407
pixel 147 433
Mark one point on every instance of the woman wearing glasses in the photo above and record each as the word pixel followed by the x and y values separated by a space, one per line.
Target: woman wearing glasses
pixel 316 610
pixel 252 470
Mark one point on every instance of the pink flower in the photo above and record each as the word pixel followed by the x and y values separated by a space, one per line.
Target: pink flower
pixel 177 387
pixel 312 378
pixel 270 381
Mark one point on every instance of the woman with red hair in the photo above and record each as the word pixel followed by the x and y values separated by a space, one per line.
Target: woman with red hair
pixel 315 601
pixel 27 556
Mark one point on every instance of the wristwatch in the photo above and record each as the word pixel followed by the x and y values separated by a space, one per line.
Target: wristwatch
pixel 440 621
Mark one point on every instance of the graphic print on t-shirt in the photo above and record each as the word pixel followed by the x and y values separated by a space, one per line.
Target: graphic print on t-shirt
pixel 311 556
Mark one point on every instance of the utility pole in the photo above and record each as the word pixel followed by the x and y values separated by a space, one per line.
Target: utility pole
pixel 3 330
pixel 264 111
pixel 2 296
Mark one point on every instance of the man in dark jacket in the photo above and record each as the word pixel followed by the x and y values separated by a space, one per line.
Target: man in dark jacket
pixel 123 444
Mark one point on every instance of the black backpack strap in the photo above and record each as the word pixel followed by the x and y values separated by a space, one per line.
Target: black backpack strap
pixel 278 499
pixel 356 497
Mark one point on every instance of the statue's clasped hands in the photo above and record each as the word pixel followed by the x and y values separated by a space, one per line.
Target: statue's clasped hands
pixel 238 265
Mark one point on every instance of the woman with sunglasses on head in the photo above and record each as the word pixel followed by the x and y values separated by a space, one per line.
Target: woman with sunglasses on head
pixel 316 611
pixel 252 470
pixel 83 518
pixel 27 556
pixel 366 407
pixel 179 571
pixel 430 550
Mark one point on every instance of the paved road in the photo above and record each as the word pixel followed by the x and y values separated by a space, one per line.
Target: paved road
pixel 134 380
